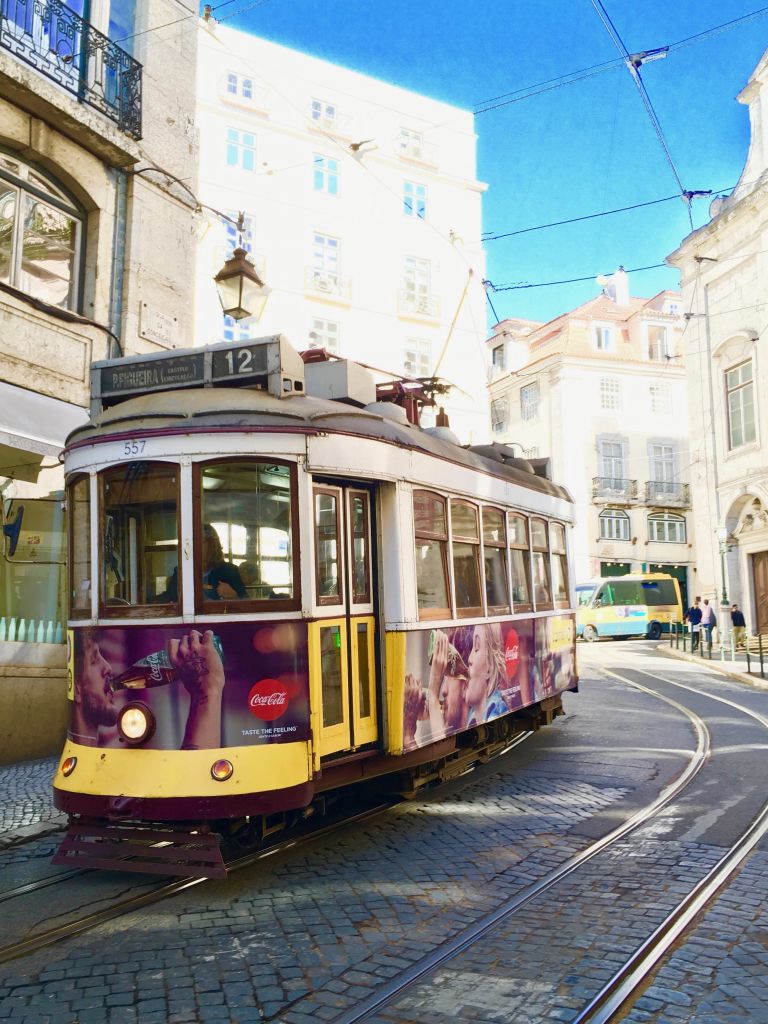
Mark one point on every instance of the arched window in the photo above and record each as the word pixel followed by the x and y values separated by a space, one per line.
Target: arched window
pixel 40 235
pixel 614 524
pixel 667 528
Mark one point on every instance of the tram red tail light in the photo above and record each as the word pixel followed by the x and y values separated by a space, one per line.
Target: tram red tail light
pixel 136 723
pixel 68 765
pixel 222 769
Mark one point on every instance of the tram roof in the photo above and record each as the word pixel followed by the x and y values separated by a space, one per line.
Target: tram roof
pixel 240 409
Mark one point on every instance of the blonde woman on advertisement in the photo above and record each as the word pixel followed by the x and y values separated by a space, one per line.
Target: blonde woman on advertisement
pixel 486 674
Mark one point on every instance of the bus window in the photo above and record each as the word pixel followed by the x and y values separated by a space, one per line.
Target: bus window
pixel 542 588
pixel 140 537
pixel 521 562
pixel 431 544
pixel 495 559
pixel 584 595
pixel 559 564
pixel 465 534
pixel 244 534
pixel 660 592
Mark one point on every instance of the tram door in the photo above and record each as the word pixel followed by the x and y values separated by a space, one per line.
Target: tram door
pixel 343 666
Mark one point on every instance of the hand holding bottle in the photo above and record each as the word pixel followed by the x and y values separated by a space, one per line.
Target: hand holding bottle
pixel 198 663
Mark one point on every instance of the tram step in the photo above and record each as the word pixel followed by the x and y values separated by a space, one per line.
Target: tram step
pixel 154 849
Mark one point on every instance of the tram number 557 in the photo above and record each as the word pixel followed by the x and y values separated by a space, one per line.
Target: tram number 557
pixel 131 448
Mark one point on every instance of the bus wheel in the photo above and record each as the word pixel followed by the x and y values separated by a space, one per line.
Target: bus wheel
pixel 654 631
pixel 590 634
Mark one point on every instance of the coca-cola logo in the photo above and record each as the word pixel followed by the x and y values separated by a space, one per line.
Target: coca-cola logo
pixel 268 699
pixel 512 653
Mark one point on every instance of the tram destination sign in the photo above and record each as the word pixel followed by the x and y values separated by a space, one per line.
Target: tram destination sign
pixel 179 371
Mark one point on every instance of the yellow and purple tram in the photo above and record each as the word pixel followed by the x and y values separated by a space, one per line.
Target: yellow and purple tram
pixel 280 586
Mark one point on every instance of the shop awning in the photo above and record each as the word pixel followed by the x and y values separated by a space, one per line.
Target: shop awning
pixel 32 427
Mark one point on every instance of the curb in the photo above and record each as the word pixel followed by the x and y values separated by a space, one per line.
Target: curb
pixel 37 830
pixel 717 666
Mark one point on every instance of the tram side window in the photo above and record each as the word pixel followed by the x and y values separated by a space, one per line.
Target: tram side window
pixel 495 559
pixel 542 587
pixel 465 533
pixel 559 564
pixel 79 513
pixel 521 562
pixel 328 546
pixel 431 544
pixel 140 536
pixel 359 514
pixel 245 543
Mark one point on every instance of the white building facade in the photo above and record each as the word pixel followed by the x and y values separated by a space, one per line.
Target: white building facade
pixel 96 258
pixel 601 393
pixel 724 275
pixel 362 214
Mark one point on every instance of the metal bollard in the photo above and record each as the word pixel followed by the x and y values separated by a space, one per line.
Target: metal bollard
pixel 760 651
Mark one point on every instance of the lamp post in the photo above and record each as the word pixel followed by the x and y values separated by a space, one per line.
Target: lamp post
pixel 722 538
pixel 242 293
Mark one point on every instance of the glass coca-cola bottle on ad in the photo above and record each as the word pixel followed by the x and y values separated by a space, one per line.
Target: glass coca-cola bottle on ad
pixel 155 669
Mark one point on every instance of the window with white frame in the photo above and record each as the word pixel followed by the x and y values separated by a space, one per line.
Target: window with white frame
pixel 529 401
pixel 499 415
pixel 673 308
pixel 666 528
pixel 661 399
pixel 662 463
pixel 326 260
pixel 658 344
pixel 324 334
pixel 739 387
pixel 612 463
pixel 532 452
pixel 325 174
pixel 614 524
pixel 414 199
pixel 241 149
pixel 411 143
pixel 239 86
pixel 323 112
pixel 497 358
pixel 41 233
pixel 417 358
pixel 603 338
pixel 236 330
pixel 417 278
pixel 610 394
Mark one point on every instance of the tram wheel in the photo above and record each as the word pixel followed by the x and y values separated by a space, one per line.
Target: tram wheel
pixel 654 631
pixel 590 634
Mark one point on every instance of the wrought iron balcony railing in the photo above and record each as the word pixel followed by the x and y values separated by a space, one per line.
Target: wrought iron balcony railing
pixel 410 303
pixel 662 492
pixel 60 44
pixel 614 490
pixel 328 283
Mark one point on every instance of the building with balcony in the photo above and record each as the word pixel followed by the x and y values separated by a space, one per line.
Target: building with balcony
pixel 95 259
pixel 362 208
pixel 601 392
pixel 724 275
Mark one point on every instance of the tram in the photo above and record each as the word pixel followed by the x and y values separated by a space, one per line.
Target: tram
pixel 281 585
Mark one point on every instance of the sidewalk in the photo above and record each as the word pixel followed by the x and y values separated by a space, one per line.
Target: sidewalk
pixel 734 664
pixel 26 802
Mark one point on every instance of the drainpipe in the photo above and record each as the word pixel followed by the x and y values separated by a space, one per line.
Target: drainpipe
pixel 120 179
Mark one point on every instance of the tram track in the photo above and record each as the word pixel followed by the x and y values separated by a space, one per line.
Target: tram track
pixel 634 973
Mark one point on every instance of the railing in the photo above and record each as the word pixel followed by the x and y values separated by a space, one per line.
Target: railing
pixel 418 305
pixel 749 657
pixel 660 492
pixel 323 282
pixel 614 490
pixel 61 45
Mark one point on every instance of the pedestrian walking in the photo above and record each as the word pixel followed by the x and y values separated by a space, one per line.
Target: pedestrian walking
pixel 708 620
pixel 693 618
pixel 739 626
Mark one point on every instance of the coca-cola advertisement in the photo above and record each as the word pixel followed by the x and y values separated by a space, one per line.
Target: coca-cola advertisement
pixel 461 676
pixel 227 684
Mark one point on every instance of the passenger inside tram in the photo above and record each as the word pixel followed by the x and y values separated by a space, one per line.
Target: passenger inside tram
pixel 221 579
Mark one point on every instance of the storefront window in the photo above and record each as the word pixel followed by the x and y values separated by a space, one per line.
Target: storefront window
pixel 32 576
pixel 245 535
pixel 79 509
pixel 140 538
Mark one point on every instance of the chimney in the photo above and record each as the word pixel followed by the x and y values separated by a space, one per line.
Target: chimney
pixel 620 281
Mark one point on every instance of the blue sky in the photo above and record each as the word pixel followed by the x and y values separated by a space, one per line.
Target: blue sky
pixel 573 150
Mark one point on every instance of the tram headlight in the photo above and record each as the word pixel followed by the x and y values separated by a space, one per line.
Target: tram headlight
pixel 68 765
pixel 222 769
pixel 136 723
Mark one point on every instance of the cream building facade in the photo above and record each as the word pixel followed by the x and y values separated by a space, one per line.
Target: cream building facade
pixel 601 393
pixel 96 258
pixel 363 214
pixel 724 275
